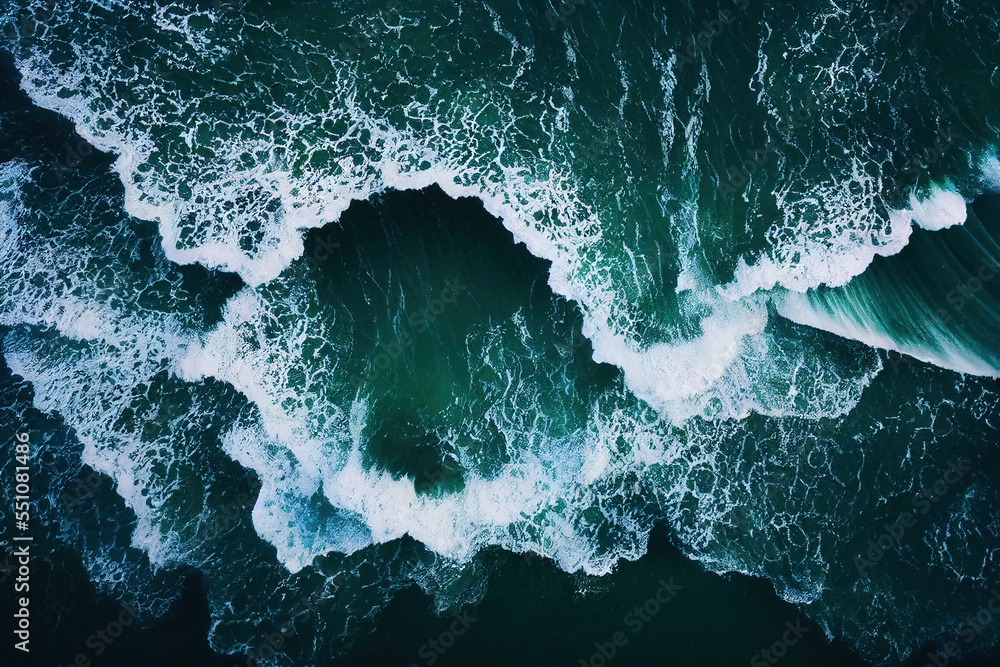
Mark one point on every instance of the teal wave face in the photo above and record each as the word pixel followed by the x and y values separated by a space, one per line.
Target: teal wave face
pixel 936 300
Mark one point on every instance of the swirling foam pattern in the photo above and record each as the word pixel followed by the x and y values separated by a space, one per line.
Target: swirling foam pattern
pixel 431 277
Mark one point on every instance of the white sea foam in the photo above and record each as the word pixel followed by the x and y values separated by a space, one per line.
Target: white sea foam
pixel 834 252
pixel 296 460
pixel 942 209
pixel 455 525
pixel 682 378
pixel 545 499
pixel 540 205
pixel 990 167
pixel 711 374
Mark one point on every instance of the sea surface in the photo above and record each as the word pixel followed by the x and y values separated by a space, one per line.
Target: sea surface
pixel 503 332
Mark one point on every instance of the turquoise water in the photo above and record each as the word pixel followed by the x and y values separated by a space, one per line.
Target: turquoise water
pixel 410 310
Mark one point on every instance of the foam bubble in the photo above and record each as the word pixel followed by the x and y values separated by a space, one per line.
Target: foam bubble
pixel 827 237
pixel 943 208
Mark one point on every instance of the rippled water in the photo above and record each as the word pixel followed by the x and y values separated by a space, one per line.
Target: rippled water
pixel 398 291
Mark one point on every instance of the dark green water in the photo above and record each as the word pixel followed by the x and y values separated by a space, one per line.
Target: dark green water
pixel 353 318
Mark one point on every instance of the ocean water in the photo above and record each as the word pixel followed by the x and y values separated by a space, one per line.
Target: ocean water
pixel 491 333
